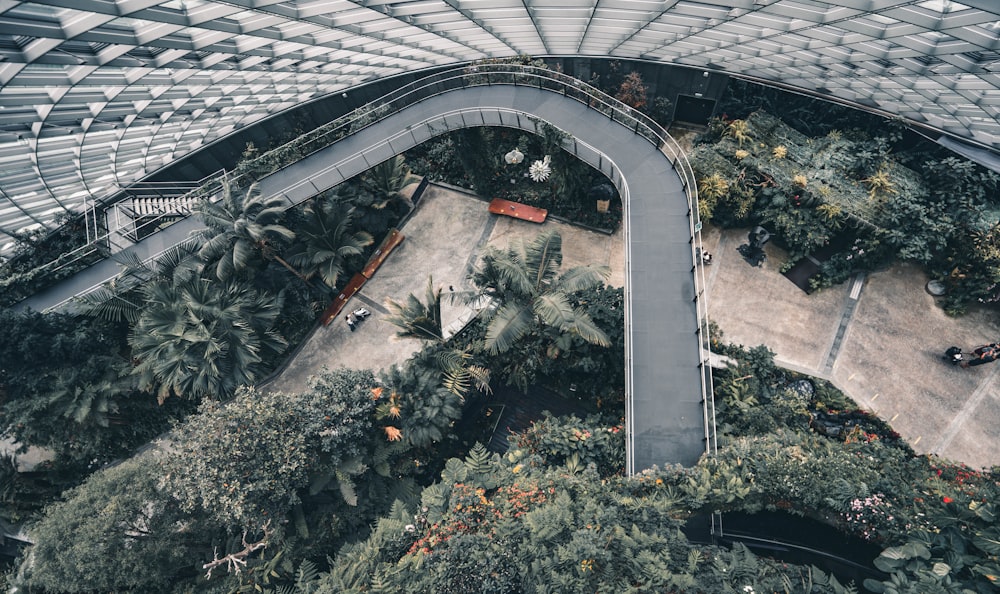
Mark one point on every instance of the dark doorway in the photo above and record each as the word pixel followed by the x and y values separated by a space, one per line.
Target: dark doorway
pixel 693 110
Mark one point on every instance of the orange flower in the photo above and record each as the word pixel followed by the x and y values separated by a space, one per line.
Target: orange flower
pixel 393 434
pixel 394 411
pixel 376 393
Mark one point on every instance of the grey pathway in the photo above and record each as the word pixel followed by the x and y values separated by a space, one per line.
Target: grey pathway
pixel 667 423
pixel 879 339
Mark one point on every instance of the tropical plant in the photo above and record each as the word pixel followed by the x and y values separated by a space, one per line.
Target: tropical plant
pixel 245 462
pixel 240 226
pixel 329 241
pixel 65 387
pixel 385 180
pixel 197 338
pixel 121 298
pixel 522 281
pixel 118 531
pixel 880 184
pixel 739 131
pixel 416 401
pixel 711 189
pixel 422 320
pixel 418 319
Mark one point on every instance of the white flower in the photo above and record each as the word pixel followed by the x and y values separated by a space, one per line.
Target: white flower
pixel 540 170
pixel 514 157
pixel 410 528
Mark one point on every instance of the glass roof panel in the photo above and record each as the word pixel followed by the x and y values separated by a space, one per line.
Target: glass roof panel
pixel 208 65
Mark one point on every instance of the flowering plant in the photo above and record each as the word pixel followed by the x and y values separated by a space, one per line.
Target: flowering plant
pixel 540 170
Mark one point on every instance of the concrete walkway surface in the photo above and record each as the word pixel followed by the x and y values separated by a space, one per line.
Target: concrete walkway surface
pixel 879 338
pixel 444 239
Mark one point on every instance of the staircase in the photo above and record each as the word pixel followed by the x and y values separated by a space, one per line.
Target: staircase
pixel 147 208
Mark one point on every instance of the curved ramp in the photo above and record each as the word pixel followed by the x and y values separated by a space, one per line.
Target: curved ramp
pixel 666 417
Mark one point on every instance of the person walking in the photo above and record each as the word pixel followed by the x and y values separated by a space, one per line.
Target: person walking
pixel 984 354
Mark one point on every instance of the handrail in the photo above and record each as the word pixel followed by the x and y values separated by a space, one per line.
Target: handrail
pixel 507 74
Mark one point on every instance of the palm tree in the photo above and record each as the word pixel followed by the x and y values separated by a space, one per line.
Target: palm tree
pixel 89 402
pixel 417 319
pixel 199 338
pixel 528 295
pixel 121 298
pixel 385 180
pixel 240 226
pixel 328 241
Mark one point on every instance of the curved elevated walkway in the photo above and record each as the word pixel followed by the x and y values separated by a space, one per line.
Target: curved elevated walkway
pixel 666 415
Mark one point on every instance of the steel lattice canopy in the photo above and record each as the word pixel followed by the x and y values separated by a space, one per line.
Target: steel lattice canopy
pixel 95 94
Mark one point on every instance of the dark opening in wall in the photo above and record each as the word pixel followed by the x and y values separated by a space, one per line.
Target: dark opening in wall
pixel 693 110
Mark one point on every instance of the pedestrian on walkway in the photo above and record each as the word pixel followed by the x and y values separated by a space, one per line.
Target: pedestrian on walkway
pixel 984 354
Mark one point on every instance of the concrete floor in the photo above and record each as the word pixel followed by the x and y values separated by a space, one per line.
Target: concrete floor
pixel 888 355
pixel 444 237
pixel 879 340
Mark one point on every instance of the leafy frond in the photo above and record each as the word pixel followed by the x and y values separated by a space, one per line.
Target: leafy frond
pixel 555 310
pixel 417 319
pixel 508 325
pixel 110 304
pixel 585 327
pixel 543 258
pixel 581 278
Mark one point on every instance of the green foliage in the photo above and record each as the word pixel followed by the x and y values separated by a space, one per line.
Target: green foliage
pixel 240 227
pixel 545 530
pixel 531 297
pixel 900 200
pixel 572 443
pixel 24 493
pixel 65 387
pixel 328 241
pixel 197 338
pixel 422 406
pixel 245 462
pixel 415 318
pixel 385 180
pixel 119 530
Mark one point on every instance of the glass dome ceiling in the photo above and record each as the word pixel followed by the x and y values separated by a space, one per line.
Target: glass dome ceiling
pixel 95 94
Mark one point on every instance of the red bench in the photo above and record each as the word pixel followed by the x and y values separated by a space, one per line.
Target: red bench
pixel 517 210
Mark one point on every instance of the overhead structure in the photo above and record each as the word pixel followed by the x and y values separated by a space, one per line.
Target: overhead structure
pixel 96 94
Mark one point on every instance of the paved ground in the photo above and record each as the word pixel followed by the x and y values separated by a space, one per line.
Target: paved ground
pixel 443 239
pixel 883 348
pixel 882 345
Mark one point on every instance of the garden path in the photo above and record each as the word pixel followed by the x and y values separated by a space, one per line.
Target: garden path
pixel 665 426
pixel 444 237
pixel 880 339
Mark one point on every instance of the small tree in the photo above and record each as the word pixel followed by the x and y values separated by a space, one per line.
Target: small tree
pixel 238 227
pixel 119 530
pixel 199 338
pixel 329 241
pixel 530 294
pixel 632 91
pixel 245 463
pixel 422 320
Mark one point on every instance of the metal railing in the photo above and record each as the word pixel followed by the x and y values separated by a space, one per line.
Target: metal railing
pixel 248 172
